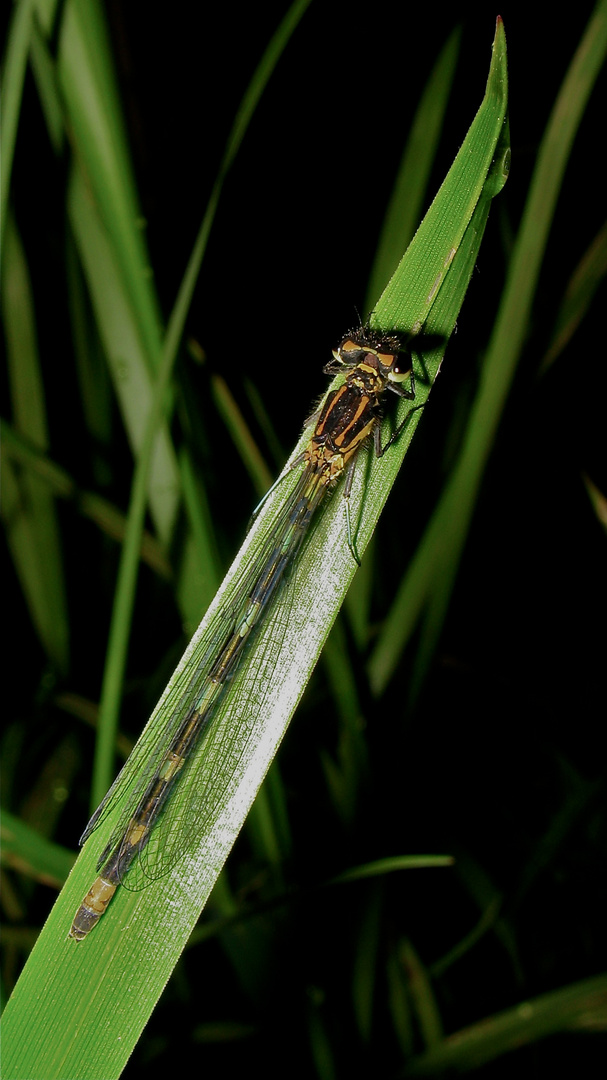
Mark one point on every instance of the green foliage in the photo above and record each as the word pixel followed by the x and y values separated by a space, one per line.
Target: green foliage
pixel 78 1011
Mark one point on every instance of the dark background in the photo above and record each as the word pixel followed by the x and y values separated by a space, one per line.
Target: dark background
pixel 500 763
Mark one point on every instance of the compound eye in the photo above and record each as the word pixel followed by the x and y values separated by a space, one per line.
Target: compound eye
pixel 399 375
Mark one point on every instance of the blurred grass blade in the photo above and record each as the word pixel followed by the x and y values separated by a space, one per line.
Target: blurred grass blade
pixel 343 774
pixel 13 75
pixel 581 290
pixel 264 70
pixel 406 202
pixel 126 356
pixel 26 15
pixel 423 998
pixel 200 565
pixel 45 74
pixel 28 508
pixel 240 434
pixel 581 1006
pixel 88 85
pixel 25 850
pixel 94 380
pixel 598 500
pixel 430 576
pixel 392 865
pixel 106 222
pixel 366 961
pixel 59 483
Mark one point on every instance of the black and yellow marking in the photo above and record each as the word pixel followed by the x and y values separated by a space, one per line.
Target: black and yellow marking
pixel 348 417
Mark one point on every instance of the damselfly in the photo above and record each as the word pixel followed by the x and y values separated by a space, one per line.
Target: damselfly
pixel 348 417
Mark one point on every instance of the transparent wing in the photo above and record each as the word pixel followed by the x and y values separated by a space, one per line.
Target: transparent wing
pixel 198 792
